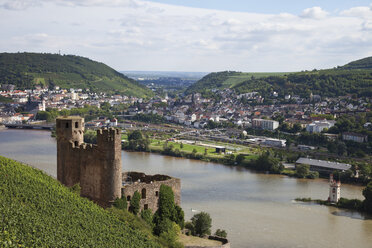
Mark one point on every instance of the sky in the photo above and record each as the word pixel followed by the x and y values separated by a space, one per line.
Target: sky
pixel 193 35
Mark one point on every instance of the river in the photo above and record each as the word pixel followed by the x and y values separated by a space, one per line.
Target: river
pixel 256 210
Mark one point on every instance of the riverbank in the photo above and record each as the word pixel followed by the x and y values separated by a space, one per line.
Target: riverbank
pixel 344 203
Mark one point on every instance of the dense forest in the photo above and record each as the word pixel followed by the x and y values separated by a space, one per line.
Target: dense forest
pixel 353 78
pixel 25 70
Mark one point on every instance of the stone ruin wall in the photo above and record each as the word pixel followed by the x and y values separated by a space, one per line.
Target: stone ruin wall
pixel 149 187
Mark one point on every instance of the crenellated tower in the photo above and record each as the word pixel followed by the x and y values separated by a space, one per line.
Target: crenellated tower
pixel 70 134
pixel 96 167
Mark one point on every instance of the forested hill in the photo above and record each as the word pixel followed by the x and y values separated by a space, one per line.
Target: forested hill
pixel 365 63
pixel 26 70
pixel 353 78
pixel 37 211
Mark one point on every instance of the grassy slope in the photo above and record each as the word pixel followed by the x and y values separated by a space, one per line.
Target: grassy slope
pixel 37 211
pixel 353 78
pixel 227 79
pixel 67 71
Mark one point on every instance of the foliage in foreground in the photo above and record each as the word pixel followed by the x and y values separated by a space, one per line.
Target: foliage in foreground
pixel 37 211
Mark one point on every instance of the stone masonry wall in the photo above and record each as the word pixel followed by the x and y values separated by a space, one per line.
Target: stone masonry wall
pixel 149 187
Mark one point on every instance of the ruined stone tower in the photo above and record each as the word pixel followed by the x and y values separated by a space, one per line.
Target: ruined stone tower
pixel 96 167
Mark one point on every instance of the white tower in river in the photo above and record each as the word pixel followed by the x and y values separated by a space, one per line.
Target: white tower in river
pixel 334 190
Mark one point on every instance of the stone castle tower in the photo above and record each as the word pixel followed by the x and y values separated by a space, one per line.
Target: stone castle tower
pixel 334 190
pixel 97 168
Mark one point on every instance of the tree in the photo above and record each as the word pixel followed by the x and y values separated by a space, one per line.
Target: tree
pixel 135 203
pixel 367 193
pixel 202 224
pixel 221 233
pixel 121 203
pixel 135 135
pixel 167 209
pixel 302 170
pixel 181 145
pixel 239 158
pixel 147 216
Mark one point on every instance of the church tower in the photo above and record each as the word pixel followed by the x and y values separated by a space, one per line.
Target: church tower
pixel 334 190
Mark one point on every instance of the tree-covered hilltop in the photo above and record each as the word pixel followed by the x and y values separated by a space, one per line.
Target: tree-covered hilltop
pixel 365 63
pixel 25 70
pixel 353 78
pixel 37 211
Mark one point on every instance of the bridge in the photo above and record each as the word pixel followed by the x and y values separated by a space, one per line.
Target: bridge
pixel 29 126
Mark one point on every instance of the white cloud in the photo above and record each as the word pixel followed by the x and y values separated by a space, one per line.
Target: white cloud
pixel 166 37
pixel 363 11
pixel 314 13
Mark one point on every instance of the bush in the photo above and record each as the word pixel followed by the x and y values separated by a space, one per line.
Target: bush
pixel 202 223
pixel 147 216
pixel 135 203
pixel 121 203
pixel 313 175
pixel 221 233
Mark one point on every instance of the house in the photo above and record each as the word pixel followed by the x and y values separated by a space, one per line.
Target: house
pixel 274 142
pixel 356 137
pixel 323 166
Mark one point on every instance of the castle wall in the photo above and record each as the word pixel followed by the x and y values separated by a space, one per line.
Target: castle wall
pixel 149 187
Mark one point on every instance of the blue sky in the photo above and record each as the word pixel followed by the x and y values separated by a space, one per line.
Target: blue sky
pixel 191 35
pixel 268 6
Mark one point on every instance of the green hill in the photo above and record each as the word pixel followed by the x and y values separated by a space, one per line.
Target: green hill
pixel 353 78
pixel 226 79
pixel 37 211
pixel 67 71
pixel 365 63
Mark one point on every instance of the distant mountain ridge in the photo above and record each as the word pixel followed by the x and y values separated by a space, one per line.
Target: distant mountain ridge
pixel 352 78
pixel 26 70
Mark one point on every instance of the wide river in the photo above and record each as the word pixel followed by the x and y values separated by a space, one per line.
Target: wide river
pixel 257 210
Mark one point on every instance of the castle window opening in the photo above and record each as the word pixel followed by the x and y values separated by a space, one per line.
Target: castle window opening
pixel 76 124
pixel 128 198
pixel 76 143
pixel 143 193
pixel 156 193
pixel 146 206
pixel 66 124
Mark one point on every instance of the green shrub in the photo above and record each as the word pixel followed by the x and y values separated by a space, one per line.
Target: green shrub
pixel 135 203
pixel 147 216
pixel 202 223
pixel 121 203
pixel 221 233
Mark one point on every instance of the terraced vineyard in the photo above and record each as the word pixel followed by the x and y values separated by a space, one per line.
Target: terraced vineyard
pixel 37 211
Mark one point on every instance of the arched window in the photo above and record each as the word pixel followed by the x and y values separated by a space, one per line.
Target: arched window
pixel 333 190
pixel 76 143
pixel 128 198
pixel 143 193
pixel 76 124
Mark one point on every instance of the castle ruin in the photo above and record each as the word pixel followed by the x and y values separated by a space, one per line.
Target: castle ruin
pixel 97 168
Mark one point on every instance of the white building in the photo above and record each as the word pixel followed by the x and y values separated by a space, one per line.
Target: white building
pixel 274 142
pixel 265 124
pixel 319 126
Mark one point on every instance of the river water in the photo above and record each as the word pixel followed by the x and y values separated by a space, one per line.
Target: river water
pixel 256 210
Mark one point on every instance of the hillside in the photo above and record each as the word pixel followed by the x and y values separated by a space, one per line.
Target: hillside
pixel 37 211
pixel 353 78
pixel 226 79
pixel 67 71
pixel 365 63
